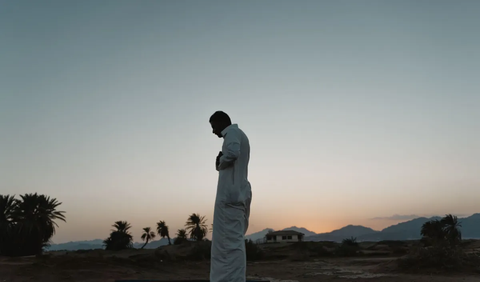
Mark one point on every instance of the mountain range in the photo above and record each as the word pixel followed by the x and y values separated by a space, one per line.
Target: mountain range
pixel 409 230
pixel 98 244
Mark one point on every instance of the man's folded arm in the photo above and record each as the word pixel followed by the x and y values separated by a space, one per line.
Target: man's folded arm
pixel 232 150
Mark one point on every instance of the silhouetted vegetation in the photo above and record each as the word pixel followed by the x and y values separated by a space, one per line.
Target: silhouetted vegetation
pixel 120 237
pixel 162 230
pixel 436 232
pixel 196 227
pixel 27 224
pixel 348 247
pixel 147 235
pixel 181 237
pixel 440 247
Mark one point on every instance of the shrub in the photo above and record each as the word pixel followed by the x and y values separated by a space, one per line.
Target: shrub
pixel 440 248
pixel 349 247
pixel 441 257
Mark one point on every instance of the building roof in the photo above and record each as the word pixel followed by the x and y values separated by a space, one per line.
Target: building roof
pixel 284 233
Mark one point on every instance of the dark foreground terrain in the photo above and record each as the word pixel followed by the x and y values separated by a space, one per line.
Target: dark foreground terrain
pixel 293 262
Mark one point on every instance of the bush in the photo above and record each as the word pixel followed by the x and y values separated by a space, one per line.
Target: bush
pixel 441 257
pixel 349 247
pixel 440 248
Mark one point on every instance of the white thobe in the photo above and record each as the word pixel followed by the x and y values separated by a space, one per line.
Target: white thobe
pixel 232 209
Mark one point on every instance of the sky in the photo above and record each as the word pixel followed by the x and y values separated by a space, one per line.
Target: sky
pixel 358 112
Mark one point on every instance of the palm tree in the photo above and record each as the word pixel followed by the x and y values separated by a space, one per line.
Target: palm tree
pixel 433 232
pixel 181 236
pixel 7 206
pixel 451 227
pixel 196 226
pixel 120 237
pixel 28 224
pixel 35 216
pixel 122 226
pixel 182 233
pixel 118 241
pixel 162 230
pixel 147 235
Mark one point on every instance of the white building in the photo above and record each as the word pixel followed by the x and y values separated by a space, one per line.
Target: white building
pixel 284 236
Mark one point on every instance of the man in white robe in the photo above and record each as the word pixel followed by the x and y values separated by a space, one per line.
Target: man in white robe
pixel 232 203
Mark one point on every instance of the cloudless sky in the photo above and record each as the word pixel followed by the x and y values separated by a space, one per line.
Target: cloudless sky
pixel 354 109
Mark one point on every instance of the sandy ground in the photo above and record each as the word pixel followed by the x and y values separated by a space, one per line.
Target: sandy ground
pixel 142 265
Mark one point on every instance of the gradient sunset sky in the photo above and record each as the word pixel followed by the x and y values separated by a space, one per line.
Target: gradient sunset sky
pixel 355 110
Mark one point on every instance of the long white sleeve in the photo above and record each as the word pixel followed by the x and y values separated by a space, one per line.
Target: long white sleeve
pixel 231 149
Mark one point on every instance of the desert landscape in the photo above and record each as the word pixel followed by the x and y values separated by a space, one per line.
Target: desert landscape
pixel 302 261
pixel 28 224
pixel 340 138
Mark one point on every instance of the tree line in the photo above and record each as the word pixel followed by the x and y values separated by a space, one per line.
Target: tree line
pixel 27 223
pixel 121 237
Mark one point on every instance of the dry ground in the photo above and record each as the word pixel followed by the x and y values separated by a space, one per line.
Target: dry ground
pixel 378 262
pixel 99 266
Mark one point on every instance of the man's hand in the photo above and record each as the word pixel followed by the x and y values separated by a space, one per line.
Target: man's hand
pixel 217 162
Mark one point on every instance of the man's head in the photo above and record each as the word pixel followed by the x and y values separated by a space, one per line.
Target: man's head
pixel 219 121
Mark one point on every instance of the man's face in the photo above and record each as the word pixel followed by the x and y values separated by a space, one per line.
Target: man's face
pixel 217 128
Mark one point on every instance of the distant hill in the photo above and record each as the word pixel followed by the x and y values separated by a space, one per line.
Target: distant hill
pixel 470 226
pixel 258 235
pixel 342 233
pixel 301 230
pixel 409 230
pixel 98 244
pixel 78 245
pixel 353 230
